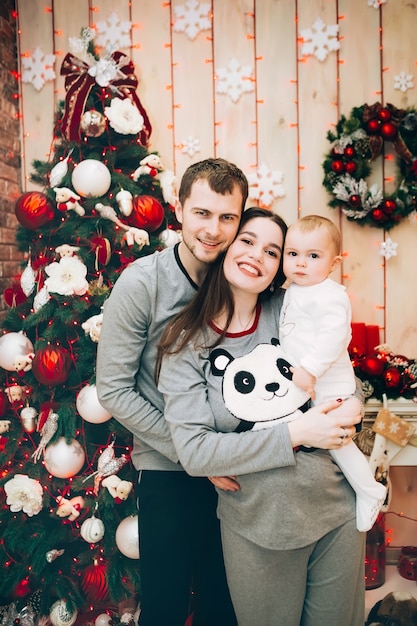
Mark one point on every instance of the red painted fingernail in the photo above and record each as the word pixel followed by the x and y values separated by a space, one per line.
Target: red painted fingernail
pixel 339 400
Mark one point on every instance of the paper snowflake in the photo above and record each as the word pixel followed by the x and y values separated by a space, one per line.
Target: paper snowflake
pixel 388 248
pixel 113 33
pixel 190 146
pixel 265 185
pixel 376 3
pixel 403 81
pixel 234 80
pixel 191 18
pixel 320 39
pixel 38 68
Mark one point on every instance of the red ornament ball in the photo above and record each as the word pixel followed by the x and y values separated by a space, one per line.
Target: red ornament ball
pixel 372 365
pixel 388 131
pixel 355 200
pixel 392 378
pixel 51 365
pixel 94 582
pixel 34 209
pixel 378 215
pixel 389 206
pixel 349 151
pixel 351 167
pixel 338 166
pixel 384 114
pixel 147 213
pixel 373 126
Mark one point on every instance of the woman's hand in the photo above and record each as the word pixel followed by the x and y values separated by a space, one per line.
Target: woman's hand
pixel 227 483
pixel 322 427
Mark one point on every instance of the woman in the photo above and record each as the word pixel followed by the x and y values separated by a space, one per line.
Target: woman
pixel 292 552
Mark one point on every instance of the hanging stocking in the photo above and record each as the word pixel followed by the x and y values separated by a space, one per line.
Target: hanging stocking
pixel 392 433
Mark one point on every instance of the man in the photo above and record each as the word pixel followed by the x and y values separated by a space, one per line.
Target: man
pixel 179 535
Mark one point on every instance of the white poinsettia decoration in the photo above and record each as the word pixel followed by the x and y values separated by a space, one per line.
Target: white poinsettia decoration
pixel 67 277
pixel 124 117
pixel 24 494
pixel 104 71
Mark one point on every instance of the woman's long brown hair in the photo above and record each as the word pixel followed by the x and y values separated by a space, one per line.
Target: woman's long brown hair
pixel 212 298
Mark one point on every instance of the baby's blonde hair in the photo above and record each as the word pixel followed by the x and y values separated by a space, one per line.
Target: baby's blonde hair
pixel 309 223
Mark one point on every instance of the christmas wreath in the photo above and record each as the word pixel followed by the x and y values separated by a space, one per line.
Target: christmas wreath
pixel 359 139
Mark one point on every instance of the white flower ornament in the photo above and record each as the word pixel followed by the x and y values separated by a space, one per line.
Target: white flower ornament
pixel 124 117
pixel 24 494
pixel 67 277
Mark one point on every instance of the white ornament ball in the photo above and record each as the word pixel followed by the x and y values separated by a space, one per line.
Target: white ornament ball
pixel 92 530
pixel 60 616
pixel 64 460
pixel 91 178
pixel 13 345
pixel 169 237
pixel 103 620
pixel 127 537
pixel 89 407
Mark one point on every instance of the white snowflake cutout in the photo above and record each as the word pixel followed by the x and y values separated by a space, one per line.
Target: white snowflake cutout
pixel 113 33
pixel 376 3
pixel 320 39
pixel 38 68
pixel 191 18
pixel 190 146
pixel 388 248
pixel 234 80
pixel 403 81
pixel 265 185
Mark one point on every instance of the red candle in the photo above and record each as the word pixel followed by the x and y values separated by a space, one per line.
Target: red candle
pixel 358 341
pixel 372 338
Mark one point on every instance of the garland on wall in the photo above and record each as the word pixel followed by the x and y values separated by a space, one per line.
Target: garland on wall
pixel 359 139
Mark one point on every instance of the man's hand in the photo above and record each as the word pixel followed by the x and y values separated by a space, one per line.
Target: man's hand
pixel 227 483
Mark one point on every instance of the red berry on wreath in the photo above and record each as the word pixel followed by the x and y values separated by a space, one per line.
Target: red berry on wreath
pixel 373 126
pixel 388 131
pixel 349 151
pixel 384 114
pixel 350 167
pixel 355 200
pixel 338 166
pixel 378 215
pixel 389 206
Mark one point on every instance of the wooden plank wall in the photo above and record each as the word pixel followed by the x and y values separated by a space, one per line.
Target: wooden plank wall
pixel 282 122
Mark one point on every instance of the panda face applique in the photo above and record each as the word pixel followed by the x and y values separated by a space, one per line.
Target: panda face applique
pixel 258 387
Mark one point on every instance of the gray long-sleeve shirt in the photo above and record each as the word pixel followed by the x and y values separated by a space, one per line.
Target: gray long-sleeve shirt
pixel 287 500
pixel 148 293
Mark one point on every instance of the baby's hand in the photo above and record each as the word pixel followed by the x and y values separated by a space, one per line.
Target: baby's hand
pixel 304 380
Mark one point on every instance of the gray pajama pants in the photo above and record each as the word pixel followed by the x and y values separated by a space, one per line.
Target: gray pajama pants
pixel 319 585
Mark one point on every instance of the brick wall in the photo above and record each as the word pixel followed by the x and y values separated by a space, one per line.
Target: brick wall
pixel 10 182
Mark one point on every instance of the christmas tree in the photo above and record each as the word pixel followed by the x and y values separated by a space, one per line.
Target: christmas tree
pixel 68 522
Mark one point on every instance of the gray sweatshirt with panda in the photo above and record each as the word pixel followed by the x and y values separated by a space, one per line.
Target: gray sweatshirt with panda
pixel 287 499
